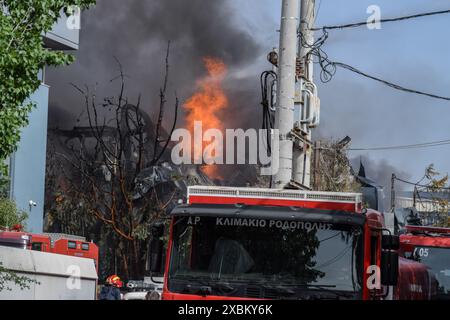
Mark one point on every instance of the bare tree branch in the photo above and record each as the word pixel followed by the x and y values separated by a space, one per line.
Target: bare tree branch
pixel 162 102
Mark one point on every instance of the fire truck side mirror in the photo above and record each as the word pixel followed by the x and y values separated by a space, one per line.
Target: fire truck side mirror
pixel 390 242
pixel 155 254
pixel 389 267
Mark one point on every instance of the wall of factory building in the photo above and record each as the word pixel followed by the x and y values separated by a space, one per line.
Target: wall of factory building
pixel 27 167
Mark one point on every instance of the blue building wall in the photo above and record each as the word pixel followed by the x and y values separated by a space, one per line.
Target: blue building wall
pixel 27 168
pixel 27 164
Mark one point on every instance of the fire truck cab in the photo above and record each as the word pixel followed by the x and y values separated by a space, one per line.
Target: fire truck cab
pixel 249 243
pixel 430 246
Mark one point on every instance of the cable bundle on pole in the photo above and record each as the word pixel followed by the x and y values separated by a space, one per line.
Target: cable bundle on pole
pixel 268 83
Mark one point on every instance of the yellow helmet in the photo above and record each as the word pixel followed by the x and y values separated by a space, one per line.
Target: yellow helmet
pixel 115 281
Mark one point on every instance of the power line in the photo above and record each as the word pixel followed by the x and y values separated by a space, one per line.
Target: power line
pixel 358 24
pixel 329 67
pixel 404 147
pixel 419 185
pixel 389 84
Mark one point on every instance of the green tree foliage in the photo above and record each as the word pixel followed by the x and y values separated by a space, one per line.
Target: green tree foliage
pixel 438 187
pixel 10 215
pixel 22 55
pixel 4 186
pixel 7 277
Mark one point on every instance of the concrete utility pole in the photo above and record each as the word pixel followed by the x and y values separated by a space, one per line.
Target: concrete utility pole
pixel 286 89
pixel 316 171
pixel 307 103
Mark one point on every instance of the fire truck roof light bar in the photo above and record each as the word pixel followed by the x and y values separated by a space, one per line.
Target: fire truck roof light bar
pixel 438 230
pixel 274 194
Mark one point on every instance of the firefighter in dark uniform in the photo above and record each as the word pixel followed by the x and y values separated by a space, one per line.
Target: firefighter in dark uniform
pixel 111 289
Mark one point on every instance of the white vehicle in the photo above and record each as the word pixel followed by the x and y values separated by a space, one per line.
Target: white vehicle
pixel 144 290
pixel 56 276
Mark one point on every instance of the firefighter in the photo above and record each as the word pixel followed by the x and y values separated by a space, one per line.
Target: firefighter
pixel 111 289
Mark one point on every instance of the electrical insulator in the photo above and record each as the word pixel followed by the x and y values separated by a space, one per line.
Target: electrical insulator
pixel 272 57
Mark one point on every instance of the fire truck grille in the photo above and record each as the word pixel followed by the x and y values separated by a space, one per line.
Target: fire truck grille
pixel 261 293
pixel 270 294
pixel 253 292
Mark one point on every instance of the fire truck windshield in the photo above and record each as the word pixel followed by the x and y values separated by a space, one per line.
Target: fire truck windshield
pixel 437 259
pixel 260 258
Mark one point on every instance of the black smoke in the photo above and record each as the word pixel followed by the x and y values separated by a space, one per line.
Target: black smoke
pixel 381 173
pixel 136 33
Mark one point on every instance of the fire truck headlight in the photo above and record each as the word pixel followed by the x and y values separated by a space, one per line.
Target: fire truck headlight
pixel 154 295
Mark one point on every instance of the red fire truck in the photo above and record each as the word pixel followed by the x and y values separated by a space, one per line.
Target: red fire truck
pixel 249 243
pixel 51 242
pixel 431 247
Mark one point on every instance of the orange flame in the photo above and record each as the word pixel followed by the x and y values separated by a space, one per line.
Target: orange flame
pixel 206 105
